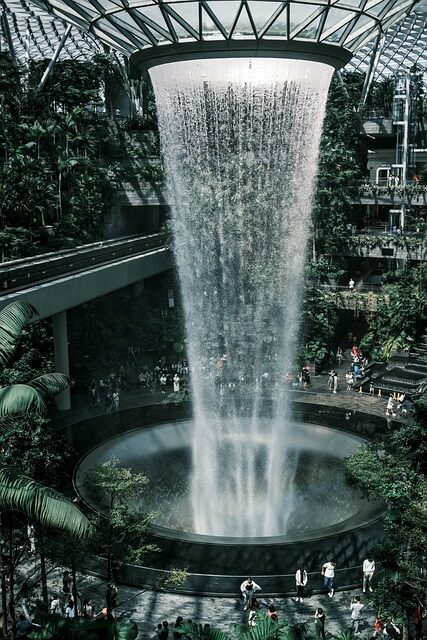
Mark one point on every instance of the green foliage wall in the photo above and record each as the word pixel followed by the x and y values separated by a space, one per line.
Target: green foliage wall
pixel 54 180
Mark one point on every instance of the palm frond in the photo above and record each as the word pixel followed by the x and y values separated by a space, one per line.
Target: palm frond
pixel 53 628
pixel 125 630
pixel 49 384
pixel 264 629
pixel 13 319
pixel 190 630
pixel 20 398
pixel 214 634
pixel 300 631
pixel 42 504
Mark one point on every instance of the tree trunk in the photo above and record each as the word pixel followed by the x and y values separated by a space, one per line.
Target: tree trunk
pixel 11 575
pixel 74 587
pixel 405 625
pixel 3 594
pixel 3 579
pixel 59 196
pixel 43 575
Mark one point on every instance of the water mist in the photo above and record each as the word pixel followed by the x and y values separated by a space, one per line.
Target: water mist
pixel 240 142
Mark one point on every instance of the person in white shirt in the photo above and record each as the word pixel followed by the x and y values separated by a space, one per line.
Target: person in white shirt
pixel 70 611
pixel 56 605
pixel 368 571
pixel 301 579
pixel 356 614
pixel 328 573
pixel 248 588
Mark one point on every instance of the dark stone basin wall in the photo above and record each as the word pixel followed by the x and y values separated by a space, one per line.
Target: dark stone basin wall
pixel 217 568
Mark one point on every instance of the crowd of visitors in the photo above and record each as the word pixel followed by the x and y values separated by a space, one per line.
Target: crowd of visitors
pixel 256 605
pixel 161 377
pixel 173 377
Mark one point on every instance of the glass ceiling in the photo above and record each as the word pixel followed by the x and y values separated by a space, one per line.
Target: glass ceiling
pixel 35 34
pixel 405 45
pixel 131 25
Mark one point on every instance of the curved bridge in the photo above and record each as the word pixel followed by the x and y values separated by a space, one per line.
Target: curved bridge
pixel 55 282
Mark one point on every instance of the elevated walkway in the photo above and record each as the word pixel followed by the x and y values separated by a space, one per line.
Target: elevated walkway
pixel 55 282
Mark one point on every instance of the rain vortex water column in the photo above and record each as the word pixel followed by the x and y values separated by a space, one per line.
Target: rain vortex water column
pixel 240 142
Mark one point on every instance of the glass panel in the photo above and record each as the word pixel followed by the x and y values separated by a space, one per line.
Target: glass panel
pixel 357 37
pixel 378 8
pixel 115 36
pixel 310 31
pixel 336 17
pixel 279 26
pixel 109 6
pixel 351 4
pixel 209 27
pixel 153 13
pixel 182 33
pixel 125 22
pixel 335 36
pixel 243 27
pixel 189 11
pixel 226 12
pixel 300 13
pixel 261 12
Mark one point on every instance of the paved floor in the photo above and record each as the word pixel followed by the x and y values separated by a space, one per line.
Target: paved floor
pixel 318 394
pixel 148 608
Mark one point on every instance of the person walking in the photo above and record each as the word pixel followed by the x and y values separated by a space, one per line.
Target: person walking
pixel 163 381
pixel 253 612
pixel 356 614
pixel 351 285
pixel 301 579
pixel 328 573
pixel 70 611
pixel 389 410
pixel 368 569
pixel 115 400
pixel 56 606
pixel 248 588
pixel 176 383
pixel 272 613
pixel 335 382
pixel 320 620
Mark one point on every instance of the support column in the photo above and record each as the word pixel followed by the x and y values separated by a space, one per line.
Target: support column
pixel 60 349
pixel 54 57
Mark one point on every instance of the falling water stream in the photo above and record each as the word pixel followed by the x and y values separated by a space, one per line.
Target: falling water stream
pixel 240 142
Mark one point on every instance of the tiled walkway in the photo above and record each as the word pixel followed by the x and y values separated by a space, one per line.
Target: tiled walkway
pixel 148 608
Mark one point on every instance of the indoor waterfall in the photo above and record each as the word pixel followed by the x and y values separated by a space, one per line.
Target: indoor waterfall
pixel 240 142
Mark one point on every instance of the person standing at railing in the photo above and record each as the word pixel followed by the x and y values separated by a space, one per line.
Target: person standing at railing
pixel 328 573
pixel 368 569
pixel 248 589
pixel 351 285
pixel 301 579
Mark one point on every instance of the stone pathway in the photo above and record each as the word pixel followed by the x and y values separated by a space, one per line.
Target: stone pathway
pixel 148 608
